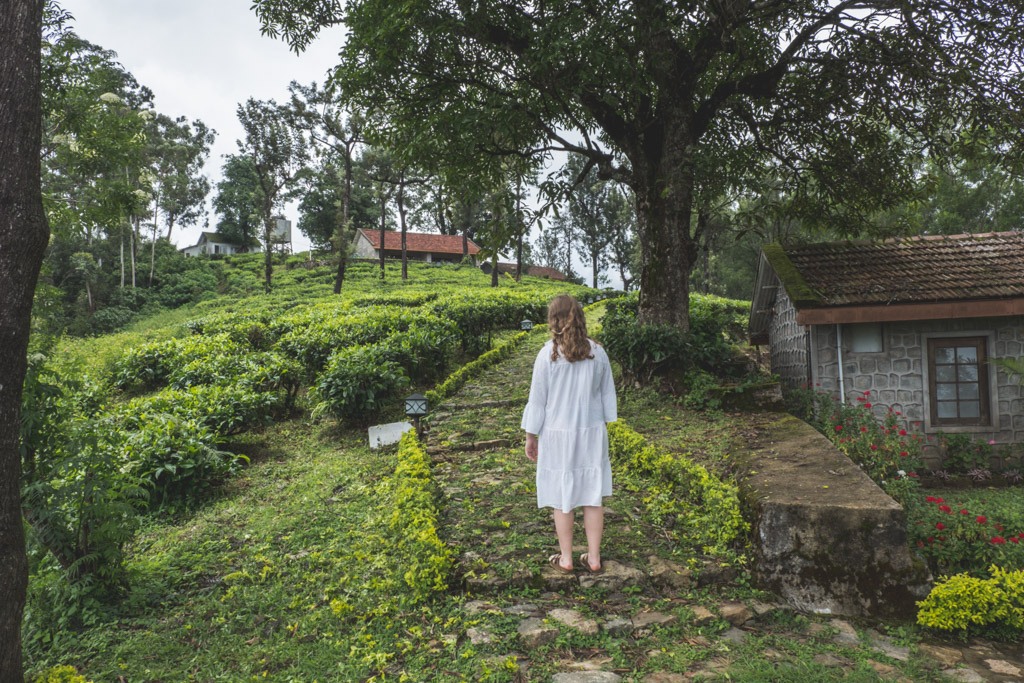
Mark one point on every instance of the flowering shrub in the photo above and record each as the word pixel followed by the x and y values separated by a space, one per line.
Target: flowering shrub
pixel 954 538
pixel 885 451
pixel 966 603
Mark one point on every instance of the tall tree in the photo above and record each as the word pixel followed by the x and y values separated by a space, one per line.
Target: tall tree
pixel 278 152
pixel 665 96
pixel 622 243
pixel 337 133
pixel 24 234
pixel 238 201
pixel 178 150
pixel 591 211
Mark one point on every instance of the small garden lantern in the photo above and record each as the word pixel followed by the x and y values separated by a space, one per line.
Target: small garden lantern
pixel 526 325
pixel 416 407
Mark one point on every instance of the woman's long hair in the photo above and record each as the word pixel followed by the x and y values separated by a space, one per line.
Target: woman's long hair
pixel 568 328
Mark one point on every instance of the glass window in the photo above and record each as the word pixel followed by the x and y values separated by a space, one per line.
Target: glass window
pixel 865 337
pixel 958 381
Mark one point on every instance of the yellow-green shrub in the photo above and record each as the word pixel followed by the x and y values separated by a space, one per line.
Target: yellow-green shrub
pixel 699 508
pixel 457 379
pixel 417 549
pixel 966 603
pixel 61 674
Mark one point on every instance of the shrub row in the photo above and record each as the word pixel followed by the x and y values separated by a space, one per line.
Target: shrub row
pixel 968 604
pixel 479 314
pixel 147 367
pixel 416 551
pixel 692 504
pixel 358 381
pixel 457 379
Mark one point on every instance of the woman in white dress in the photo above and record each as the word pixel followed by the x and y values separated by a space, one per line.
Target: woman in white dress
pixel 572 398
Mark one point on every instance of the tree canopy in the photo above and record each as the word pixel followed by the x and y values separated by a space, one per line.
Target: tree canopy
pixel 673 98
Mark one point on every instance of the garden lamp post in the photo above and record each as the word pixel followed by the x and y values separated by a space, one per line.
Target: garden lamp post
pixel 416 407
pixel 526 325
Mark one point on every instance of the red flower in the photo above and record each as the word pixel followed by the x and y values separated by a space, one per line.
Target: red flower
pixel 912 475
pixel 839 428
pixel 898 412
pixel 904 454
pixel 945 508
pixel 940 526
pixel 863 429
pixel 867 405
pixel 931 539
pixel 981 519
pixel 874 447
pixel 931 499
pixel 903 432
pixel 964 512
pixel 999 527
pixel 998 540
pixel 867 393
pixel 1014 539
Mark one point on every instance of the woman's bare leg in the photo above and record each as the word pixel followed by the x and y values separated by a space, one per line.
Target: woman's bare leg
pixel 593 524
pixel 563 530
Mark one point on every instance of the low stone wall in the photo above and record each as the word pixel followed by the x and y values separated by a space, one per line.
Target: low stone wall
pixel 828 540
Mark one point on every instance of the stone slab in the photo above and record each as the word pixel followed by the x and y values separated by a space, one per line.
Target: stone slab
pixel 387 434
pixel 828 539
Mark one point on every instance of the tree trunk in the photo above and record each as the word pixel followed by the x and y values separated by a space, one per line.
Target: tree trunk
pixel 383 227
pixel 121 234
pixel 268 247
pixel 593 265
pixel 401 217
pixel 494 269
pixel 664 200
pixel 519 258
pixel 134 245
pixel 346 200
pixel 23 238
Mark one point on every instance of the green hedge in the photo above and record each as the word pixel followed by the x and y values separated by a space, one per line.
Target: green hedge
pixel 148 366
pixel 693 505
pixel 457 379
pixel 416 550
pixel 971 605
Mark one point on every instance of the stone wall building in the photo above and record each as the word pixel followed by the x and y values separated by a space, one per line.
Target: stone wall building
pixel 912 322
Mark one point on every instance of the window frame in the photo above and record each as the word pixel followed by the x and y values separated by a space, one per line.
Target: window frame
pixel 981 342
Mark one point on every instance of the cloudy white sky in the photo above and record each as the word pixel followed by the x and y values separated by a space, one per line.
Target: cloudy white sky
pixel 201 58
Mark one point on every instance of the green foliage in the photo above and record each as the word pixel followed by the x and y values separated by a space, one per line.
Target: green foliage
pixel 971 605
pixel 60 674
pixel 695 507
pixel 474 368
pixel 958 532
pixel 358 382
pixel 645 351
pixel 885 451
pixel 148 366
pixel 962 453
pixel 259 372
pixel 417 552
pixel 223 409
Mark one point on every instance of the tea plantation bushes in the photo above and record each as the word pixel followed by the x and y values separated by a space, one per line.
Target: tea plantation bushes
pixel 257 372
pixel 147 367
pixel 358 382
pixel 225 410
pixel 457 379
pixel 313 343
pixel 478 314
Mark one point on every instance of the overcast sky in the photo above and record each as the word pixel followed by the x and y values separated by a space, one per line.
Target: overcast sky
pixel 201 59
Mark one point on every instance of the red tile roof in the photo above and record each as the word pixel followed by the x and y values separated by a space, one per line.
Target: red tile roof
pixel 420 242
pixel 908 270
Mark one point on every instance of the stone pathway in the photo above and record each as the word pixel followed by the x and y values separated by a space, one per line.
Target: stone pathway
pixel 650 616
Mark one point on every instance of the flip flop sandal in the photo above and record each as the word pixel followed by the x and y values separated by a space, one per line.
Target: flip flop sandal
pixel 556 562
pixel 586 565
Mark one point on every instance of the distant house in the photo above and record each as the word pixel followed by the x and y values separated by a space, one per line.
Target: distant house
pixel 212 243
pixel 419 246
pixel 533 271
pixel 913 322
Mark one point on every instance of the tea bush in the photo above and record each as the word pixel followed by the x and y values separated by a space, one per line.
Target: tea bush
pixel 224 410
pixel 474 368
pixel 257 372
pixel 147 367
pixel 358 382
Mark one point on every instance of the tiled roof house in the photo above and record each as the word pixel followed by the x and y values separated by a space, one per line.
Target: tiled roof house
pixel 911 321
pixel 215 244
pixel 420 246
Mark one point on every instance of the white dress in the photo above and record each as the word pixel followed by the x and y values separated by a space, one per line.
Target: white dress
pixel 570 405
